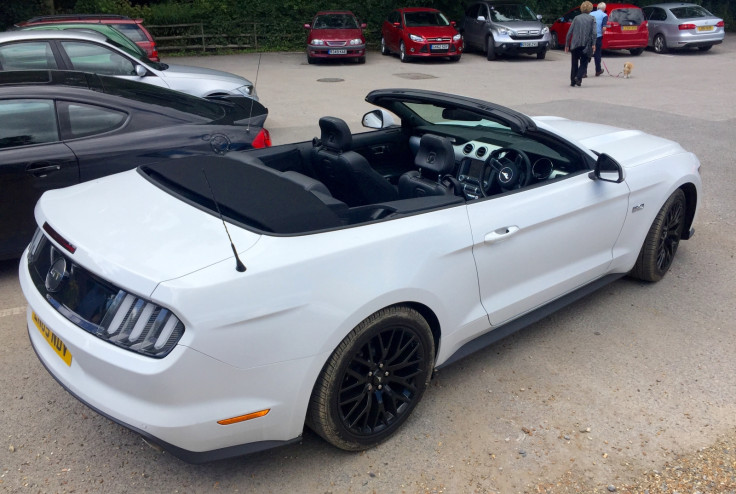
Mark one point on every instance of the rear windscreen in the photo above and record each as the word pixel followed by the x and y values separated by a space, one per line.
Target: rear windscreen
pixel 132 31
pixel 627 17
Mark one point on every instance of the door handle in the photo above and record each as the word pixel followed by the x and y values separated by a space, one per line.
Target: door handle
pixel 42 169
pixel 500 234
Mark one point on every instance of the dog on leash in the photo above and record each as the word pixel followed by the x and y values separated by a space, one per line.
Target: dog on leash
pixel 628 67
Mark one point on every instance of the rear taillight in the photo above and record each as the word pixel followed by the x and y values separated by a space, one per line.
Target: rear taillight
pixel 685 27
pixel 262 140
pixel 154 53
pixel 721 24
pixel 612 25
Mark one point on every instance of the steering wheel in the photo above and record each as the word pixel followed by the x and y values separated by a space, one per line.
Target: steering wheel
pixel 510 168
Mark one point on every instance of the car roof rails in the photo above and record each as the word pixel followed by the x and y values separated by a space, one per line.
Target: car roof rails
pixel 71 17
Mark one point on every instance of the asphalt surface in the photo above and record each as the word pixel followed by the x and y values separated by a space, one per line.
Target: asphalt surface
pixel 607 393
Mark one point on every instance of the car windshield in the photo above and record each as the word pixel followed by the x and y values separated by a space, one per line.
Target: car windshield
pixel 441 115
pixel 627 17
pixel 335 21
pixel 690 12
pixel 511 12
pixel 425 19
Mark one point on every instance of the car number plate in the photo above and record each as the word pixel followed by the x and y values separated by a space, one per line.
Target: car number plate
pixel 630 28
pixel 440 47
pixel 338 52
pixel 705 28
pixel 54 341
pixel 529 44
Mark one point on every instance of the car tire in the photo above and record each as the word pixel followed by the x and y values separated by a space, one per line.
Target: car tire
pixel 553 43
pixel 636 51
pixel 455 58
pixel 705 48
pixel 373 380
pixel 402 53
pixel 310 60
pixel 360 60
pixel 662 240
pixel 660 44
pixel 384 48
pixel 490 48
pixel 541 54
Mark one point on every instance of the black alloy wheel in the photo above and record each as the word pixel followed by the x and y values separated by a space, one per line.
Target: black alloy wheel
pixel 660 245
pixel 373 380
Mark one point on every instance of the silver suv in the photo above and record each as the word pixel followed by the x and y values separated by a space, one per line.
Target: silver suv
pixel 95 52
pixel 504 27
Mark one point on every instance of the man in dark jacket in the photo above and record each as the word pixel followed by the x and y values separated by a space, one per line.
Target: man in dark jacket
pixel 580 42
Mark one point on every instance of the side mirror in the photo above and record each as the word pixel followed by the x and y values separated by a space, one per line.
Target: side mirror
pixel 140 70
pixel 397 24
pixel 307 26
pixel 607 169
pixel 480 18
pixel 453 23
pixel 378 119
pixel 539 17
pixel 363 26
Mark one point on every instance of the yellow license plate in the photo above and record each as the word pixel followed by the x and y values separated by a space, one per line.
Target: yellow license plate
pixel 705 28
pixel 59 347
pixel 629 28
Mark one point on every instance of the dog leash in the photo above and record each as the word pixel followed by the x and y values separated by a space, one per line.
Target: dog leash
pixel 609 73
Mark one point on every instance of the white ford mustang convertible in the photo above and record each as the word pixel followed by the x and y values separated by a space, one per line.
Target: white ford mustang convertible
pixel 217 305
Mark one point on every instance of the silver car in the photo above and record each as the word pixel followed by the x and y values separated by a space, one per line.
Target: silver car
pixel 95 52
pixel 682 25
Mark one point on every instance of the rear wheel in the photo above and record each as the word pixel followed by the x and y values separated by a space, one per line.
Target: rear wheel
pixel 660 245
pixel 490 48
pixel 636 51
pixel 373 380
pixel 660 44
pixel 705 48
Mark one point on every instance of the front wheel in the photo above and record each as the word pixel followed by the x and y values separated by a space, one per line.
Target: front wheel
pixel 660 245
pixel 541 54
pixel 402 53
pixel 384 48
pixel 490 49
pixel 455 58
pixel 373 380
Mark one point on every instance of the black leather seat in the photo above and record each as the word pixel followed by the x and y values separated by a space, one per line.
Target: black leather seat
pixel 435 159
pixel 347 174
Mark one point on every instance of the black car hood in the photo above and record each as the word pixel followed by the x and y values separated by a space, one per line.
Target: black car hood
pixel 517 121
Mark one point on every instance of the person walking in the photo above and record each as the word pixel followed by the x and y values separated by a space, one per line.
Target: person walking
pixel 580 42
pixel 601 19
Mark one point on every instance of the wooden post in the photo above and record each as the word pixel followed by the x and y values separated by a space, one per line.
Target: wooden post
pixel 201 30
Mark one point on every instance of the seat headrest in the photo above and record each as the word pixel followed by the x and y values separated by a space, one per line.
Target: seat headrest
pixel 335 134
pixel 435 154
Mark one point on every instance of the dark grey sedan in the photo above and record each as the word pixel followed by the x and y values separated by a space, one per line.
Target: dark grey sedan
pixel 60 128
pixel 682 25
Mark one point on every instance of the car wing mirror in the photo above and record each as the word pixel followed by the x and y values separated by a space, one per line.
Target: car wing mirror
pixel 140 70
pixel 378 119
pixel 539 17
pixel 453 23
pixel 363 25
pixel 307 26
pixel 480 18
pixel 607 169
pixel 397 24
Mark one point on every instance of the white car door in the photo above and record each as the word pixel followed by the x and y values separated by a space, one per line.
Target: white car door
pixel 537 244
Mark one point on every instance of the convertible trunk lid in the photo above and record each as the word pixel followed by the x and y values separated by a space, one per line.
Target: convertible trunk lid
pixel 145 237
pixel 629 147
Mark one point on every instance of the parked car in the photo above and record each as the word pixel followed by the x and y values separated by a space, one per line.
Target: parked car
pixel 420 32
pixel 94 52
pixel 335 34
pixel 59 128
pixel 626 28
pixel 214 305
pixel 132 28
pixel 682 25
pixel 113 36
pixel 506 27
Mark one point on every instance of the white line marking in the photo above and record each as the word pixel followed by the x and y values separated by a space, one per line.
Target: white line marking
pixel 12 312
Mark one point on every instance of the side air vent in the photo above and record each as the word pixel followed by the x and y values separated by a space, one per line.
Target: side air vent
pixel 481 152
pixel 468 148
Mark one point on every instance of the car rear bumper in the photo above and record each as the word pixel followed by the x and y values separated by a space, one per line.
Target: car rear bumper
pixel 618 42
pixel 693 40
pixel 185 393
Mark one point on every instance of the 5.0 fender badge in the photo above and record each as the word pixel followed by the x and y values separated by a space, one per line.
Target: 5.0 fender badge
pixel 637 208
pixel 55 276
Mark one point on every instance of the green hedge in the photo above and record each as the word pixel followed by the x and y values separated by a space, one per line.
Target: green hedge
pixel 280 22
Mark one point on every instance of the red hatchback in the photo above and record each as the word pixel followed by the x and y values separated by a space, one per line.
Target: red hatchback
pixel 132 28
pixel 626 28
pixel 420 32
pixel 335 34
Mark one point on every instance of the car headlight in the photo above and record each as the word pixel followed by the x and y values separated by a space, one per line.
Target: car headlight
pixel 415 38
pixel 457 37
pixel 354 42
pixel 247 90
pixel 318 42
pixel 505 31
pixel 545 30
